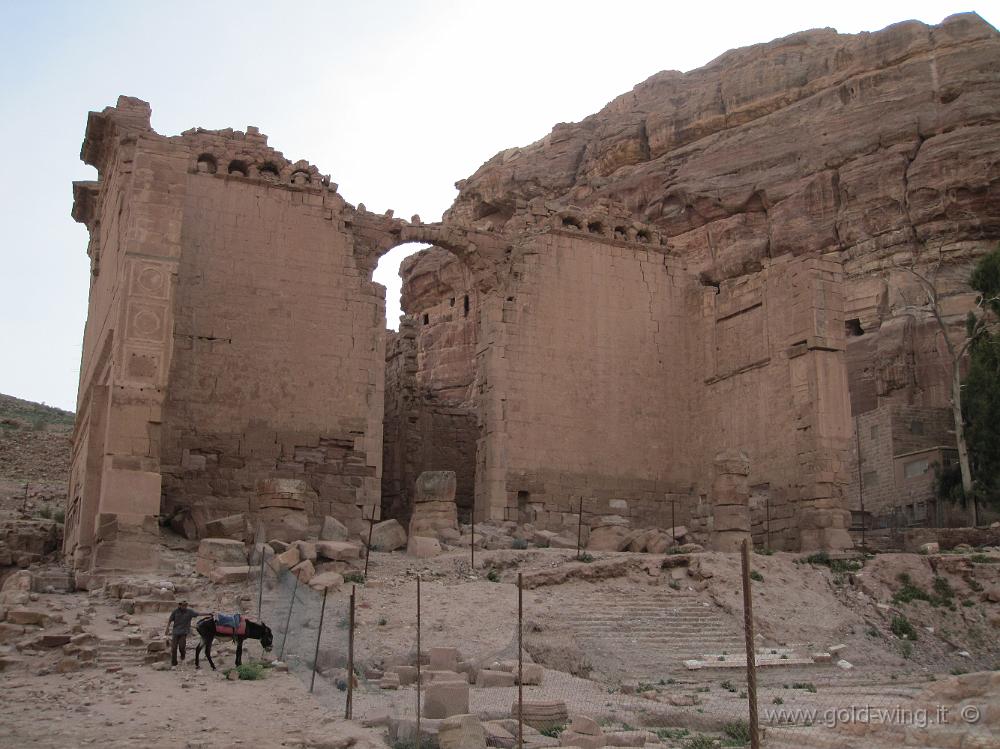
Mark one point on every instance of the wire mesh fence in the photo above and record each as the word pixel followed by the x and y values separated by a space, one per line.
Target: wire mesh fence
pixel 650 691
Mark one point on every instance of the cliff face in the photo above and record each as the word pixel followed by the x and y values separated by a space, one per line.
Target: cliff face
pixel 816 142
pixel 880 149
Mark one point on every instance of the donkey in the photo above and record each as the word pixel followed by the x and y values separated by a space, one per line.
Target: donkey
pixel 208 632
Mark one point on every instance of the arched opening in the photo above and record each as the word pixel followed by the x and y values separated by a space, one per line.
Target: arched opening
pixel 238 168
pixel 269 172
pixel 430 419
pixel 207 164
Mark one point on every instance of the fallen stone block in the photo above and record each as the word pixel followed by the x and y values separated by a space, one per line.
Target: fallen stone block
pixel 822 658
pixel 489 678
pixel 423 547
pixel 27 617
pixel 444 659
pixel 304 571
pixel 446 698
pixel 338 551
pixel 333 530
pixel 307 550
pixel 228 575
pixel 932 547
pixel 584 725
pixel 626 738
pixel 288 558
pixel 231 526
pixel 407 675
pixel 461 732
pixel 542 714
pixel 219 552
pixel 326 581
pixel 389 680
pixel 584 741
pixel 388 535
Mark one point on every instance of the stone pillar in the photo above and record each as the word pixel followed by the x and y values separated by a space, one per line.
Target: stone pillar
pixel 434 508
pixel 730 501
pixel 280 505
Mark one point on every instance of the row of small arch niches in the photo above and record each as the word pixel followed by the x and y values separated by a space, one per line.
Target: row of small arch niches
pixel 269 171
pixel 597 226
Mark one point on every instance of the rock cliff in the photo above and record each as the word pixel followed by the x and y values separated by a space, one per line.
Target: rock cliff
pixel 880 148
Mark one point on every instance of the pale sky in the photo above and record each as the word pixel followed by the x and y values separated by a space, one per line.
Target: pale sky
pixel 395 100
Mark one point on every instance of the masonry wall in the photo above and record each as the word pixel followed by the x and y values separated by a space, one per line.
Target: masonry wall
pixel 586 393
pixel 775 386
pixel 277 370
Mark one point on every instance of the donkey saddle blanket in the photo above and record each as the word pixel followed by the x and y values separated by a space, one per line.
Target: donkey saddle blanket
pixel 230 625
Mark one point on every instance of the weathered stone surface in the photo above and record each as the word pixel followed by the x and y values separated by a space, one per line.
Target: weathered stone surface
pixel 422 547
pixel 388 535
pixel 446 698
pixel 340 551
pixel 326 580
pixel 542 714
pixel 489 678
pixel 333 530
pixel 609 538
pixel 231 526
pixel 226 575
pixel 304 571
pixel 219 552
pixel 461 732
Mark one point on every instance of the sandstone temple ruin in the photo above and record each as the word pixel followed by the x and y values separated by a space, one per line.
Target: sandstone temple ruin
pixel 710 265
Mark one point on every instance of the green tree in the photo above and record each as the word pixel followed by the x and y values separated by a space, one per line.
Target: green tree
pixel 981 389
pixel 980 328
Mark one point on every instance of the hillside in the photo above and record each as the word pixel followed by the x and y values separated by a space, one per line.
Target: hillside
pixel 35 443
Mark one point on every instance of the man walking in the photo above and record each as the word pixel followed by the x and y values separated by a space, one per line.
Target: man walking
pixel 180 620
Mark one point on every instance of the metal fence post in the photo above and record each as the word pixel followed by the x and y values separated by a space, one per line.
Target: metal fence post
pixel 767 522
pixel 260 593
pixel 520 663
pixel 472 537
pixel 673 519
pixel 288 619
pixel 349 707
pixel 368 548
pixel 750 646
pixel 319 636
pixel 579 528
pixel 419 738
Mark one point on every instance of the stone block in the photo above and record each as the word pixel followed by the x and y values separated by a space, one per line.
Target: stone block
pixel 388 535
pixel 931 547
pixel 219 552
pixel 338 551
pixel 532 674
pixel 446 698
pixel 288 558
pixel 490 678
pixel 435 485
pixel 227 575
pixel 389 680
pixel 333 530
pixel 304 571
pixel 326 581
pixel 27 617
pixel 461 732
pixel 407 675
pixel 231 526
pixel 584 741
pixel 542 714
pixel 423 547
pixel 444 659
pixel 307 550
pixel 609 538
pixel 584 725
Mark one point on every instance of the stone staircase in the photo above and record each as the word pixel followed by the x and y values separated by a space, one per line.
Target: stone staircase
pixel 112 653
pixel 651 635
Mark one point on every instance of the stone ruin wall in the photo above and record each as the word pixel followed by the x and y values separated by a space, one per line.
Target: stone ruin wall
pixel 430 415
pixel 669 278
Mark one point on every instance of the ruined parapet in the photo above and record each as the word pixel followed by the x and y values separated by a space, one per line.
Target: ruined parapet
pixel 730 501
pixel 280 506
pixel 434 508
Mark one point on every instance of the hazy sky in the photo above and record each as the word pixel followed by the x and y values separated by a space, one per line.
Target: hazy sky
pixel 395 100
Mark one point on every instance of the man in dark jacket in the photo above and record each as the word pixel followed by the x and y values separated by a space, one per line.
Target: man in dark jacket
pixel 178 628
